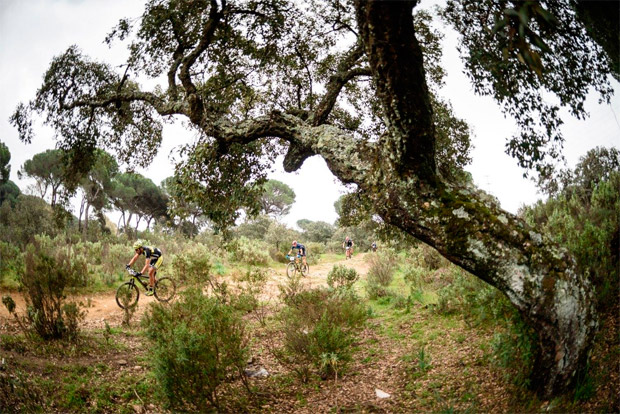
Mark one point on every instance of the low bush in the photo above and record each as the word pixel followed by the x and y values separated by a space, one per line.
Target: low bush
pixel 193 265
pixel 382 267
pixel 45 280
pixel 342 277
pixel 252 252
pixel 381 273
pixel 251 286
pixel 199 345
pixel 319 323
pixel 11 264
pixel 426 257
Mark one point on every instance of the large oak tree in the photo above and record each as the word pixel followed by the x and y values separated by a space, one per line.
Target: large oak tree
pixel 354 82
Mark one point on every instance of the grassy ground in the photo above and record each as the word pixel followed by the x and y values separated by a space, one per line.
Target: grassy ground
pixel 425 360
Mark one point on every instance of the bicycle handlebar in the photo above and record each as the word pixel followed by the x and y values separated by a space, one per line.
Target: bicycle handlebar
pixel 133 272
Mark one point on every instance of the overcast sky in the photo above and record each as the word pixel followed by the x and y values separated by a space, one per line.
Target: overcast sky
pixel 33 31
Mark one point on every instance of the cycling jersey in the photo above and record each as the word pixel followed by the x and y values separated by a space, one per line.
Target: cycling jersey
pixel 348 243
pixel 154 254
pixel 301 249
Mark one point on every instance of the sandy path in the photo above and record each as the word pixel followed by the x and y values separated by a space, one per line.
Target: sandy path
pixel 102 307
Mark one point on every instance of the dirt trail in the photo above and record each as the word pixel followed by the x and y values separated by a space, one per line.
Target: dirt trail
pixel 102 307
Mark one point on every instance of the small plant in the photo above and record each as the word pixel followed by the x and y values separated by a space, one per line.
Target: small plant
pixel 193 266
pixel 342 277
pixel 424 361
pixel 292 288
pixel 107 332
pixel 318 323
pixel 380 274
pixel 199 345
pixel 382 268
pixel 45 279
pixel 252 284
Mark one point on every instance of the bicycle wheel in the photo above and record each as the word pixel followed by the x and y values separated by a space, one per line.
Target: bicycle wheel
pixel 127 295
pixel 164 289
pixel 291 269
pixel 305 269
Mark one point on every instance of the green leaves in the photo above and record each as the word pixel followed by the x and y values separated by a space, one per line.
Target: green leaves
pixel 518 53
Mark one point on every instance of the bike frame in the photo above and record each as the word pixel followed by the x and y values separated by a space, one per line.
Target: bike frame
pixel 134 277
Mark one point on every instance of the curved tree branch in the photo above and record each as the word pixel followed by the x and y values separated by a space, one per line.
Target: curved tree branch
pixel 196 105
pixel 162 107
pixel 344 73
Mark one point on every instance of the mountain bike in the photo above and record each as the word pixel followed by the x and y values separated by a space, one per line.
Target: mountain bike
pixel 295 265
pixel 128 293
pixel 347 252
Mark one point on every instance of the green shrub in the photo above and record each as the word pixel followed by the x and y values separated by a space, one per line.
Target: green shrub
pixel 290 289
pixel 251 285
pixel 414 276
pixel 581 214
pixel 318 323
pixel 277 255
pixel 193 265
pixel 342 277
pixel 380 273
pixel 199 345
pixel 426 257
pixel 45 280
pixel 11 264
pixel 252 252
pixel 382 268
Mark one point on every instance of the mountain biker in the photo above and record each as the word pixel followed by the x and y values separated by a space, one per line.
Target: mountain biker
pixel 373 246
pixel 301 250
pixel 348 245
pixel 153 261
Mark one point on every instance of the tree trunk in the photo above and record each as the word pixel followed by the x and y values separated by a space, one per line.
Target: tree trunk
pixel 464 224
pixel 85 230
pixel 471 231
pixel 81 212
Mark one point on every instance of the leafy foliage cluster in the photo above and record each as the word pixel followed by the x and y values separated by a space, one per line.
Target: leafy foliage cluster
pixel 582 215
pixel 513 50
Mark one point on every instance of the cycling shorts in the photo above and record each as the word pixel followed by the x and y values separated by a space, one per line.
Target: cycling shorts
pixel 156 262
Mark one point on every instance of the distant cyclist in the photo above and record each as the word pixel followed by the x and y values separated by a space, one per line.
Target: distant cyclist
pixel 301 251
pixel 373 246
pixel 348 245
pixel 153 261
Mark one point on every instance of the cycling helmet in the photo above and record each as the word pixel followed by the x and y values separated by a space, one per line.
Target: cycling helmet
pixel 137 244
pixel 294 243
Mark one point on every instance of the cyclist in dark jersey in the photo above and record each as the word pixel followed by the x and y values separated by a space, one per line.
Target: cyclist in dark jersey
pixel 153 261
pixel 348 245
pixel 301 250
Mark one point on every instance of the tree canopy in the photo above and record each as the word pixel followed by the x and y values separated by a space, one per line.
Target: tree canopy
pixel 8 189
pixel 354 82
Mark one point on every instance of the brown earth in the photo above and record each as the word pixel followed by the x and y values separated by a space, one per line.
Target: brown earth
pixel 424 361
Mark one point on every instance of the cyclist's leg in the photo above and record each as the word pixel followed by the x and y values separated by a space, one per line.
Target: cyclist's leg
pixel 155 263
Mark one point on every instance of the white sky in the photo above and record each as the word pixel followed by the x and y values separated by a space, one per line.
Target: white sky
pixel 33 31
